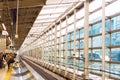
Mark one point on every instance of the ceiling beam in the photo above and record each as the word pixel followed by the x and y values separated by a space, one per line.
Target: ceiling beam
pixel 45 14
pixel 24 4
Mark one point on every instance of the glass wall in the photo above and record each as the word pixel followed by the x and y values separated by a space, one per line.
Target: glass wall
pixel 65 46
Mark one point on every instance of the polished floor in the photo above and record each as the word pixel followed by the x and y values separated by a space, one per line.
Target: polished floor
pixel 3 73
pixel 17 71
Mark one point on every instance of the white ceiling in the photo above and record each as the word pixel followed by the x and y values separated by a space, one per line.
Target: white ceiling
pixel 55 8
pixel 49 14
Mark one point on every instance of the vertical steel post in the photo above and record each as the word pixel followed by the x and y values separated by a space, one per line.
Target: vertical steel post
pixel 44 48
pixel 103 39
pixel 49 46
pixel 42 51
pixel 86 26
pixel 51 49
pixel 74 58
pixel 60 48
pixel 66 44
pixel 55 47
pixel 45 44
pixel 110 48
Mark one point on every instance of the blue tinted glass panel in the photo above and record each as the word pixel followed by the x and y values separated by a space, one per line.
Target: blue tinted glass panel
pixel 77 63
pixel 90 42
pixel 97 66
pixel 68 53
pixel 118 22
pixel 107 40
pixel 107 68
pixel 70 62
pixel 116 39
pixel 72 36
pixel 69 37
pixel 107 55
pixel 115 68
pixel 115 55
pixel 81 43
pixel 81 33
pixel 77 34
pixel 97 41
pixel 107 25
pixel 95 55
pixel 68 45
pixel 115 23
pixel 72 45
pixel 90 31
pixel 96 28
pixel 81 64
pixel 77 44
pixel 81 54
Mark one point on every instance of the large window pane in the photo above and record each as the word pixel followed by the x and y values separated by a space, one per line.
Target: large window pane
pixel 116 23
pixel 77 44
pixel 81 43
pixel 95 55
pixel 96 66
pixel 77 34
pixel 96 28
pixel 107 40
pixel 97 41
pixel 115 55
pixel 116 39
pixel 115 68
pixel 81 33
pixel 107 25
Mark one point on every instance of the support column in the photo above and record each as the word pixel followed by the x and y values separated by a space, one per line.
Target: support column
pixel 110 48
pixel 42 51
pixel 74 58
pixel 86 26
pixel 49 46
pixel 66 45
pixel 51 50
pixel 55 47
pixel 103 39
pixel 60 49
pixel 45 44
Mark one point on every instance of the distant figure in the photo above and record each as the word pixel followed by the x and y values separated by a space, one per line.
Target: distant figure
pixel 1 60
pixel 14 55
pixel 9 59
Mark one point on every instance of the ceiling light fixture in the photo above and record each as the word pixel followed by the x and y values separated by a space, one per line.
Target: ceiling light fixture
pixel 9 39
pixel 16 35
pixel 4 26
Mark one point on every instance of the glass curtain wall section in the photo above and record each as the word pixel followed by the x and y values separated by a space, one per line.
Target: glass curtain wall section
pixel 112 54
pixel 66 46
pixel 60 48
pixel 112 42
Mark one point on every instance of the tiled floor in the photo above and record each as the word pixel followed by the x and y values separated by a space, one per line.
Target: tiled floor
pixel 20 72
pixel 3 73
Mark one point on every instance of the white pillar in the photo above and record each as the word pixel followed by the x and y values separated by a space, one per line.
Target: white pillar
pixel 103 39
pixel 66 45
pixel 51 48
pixel 74 60
pixel 86 26
pixel 60 48
pixel 55 47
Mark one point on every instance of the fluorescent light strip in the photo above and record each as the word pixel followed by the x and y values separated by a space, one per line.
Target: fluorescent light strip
pixel 9 39
pixel 3 26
